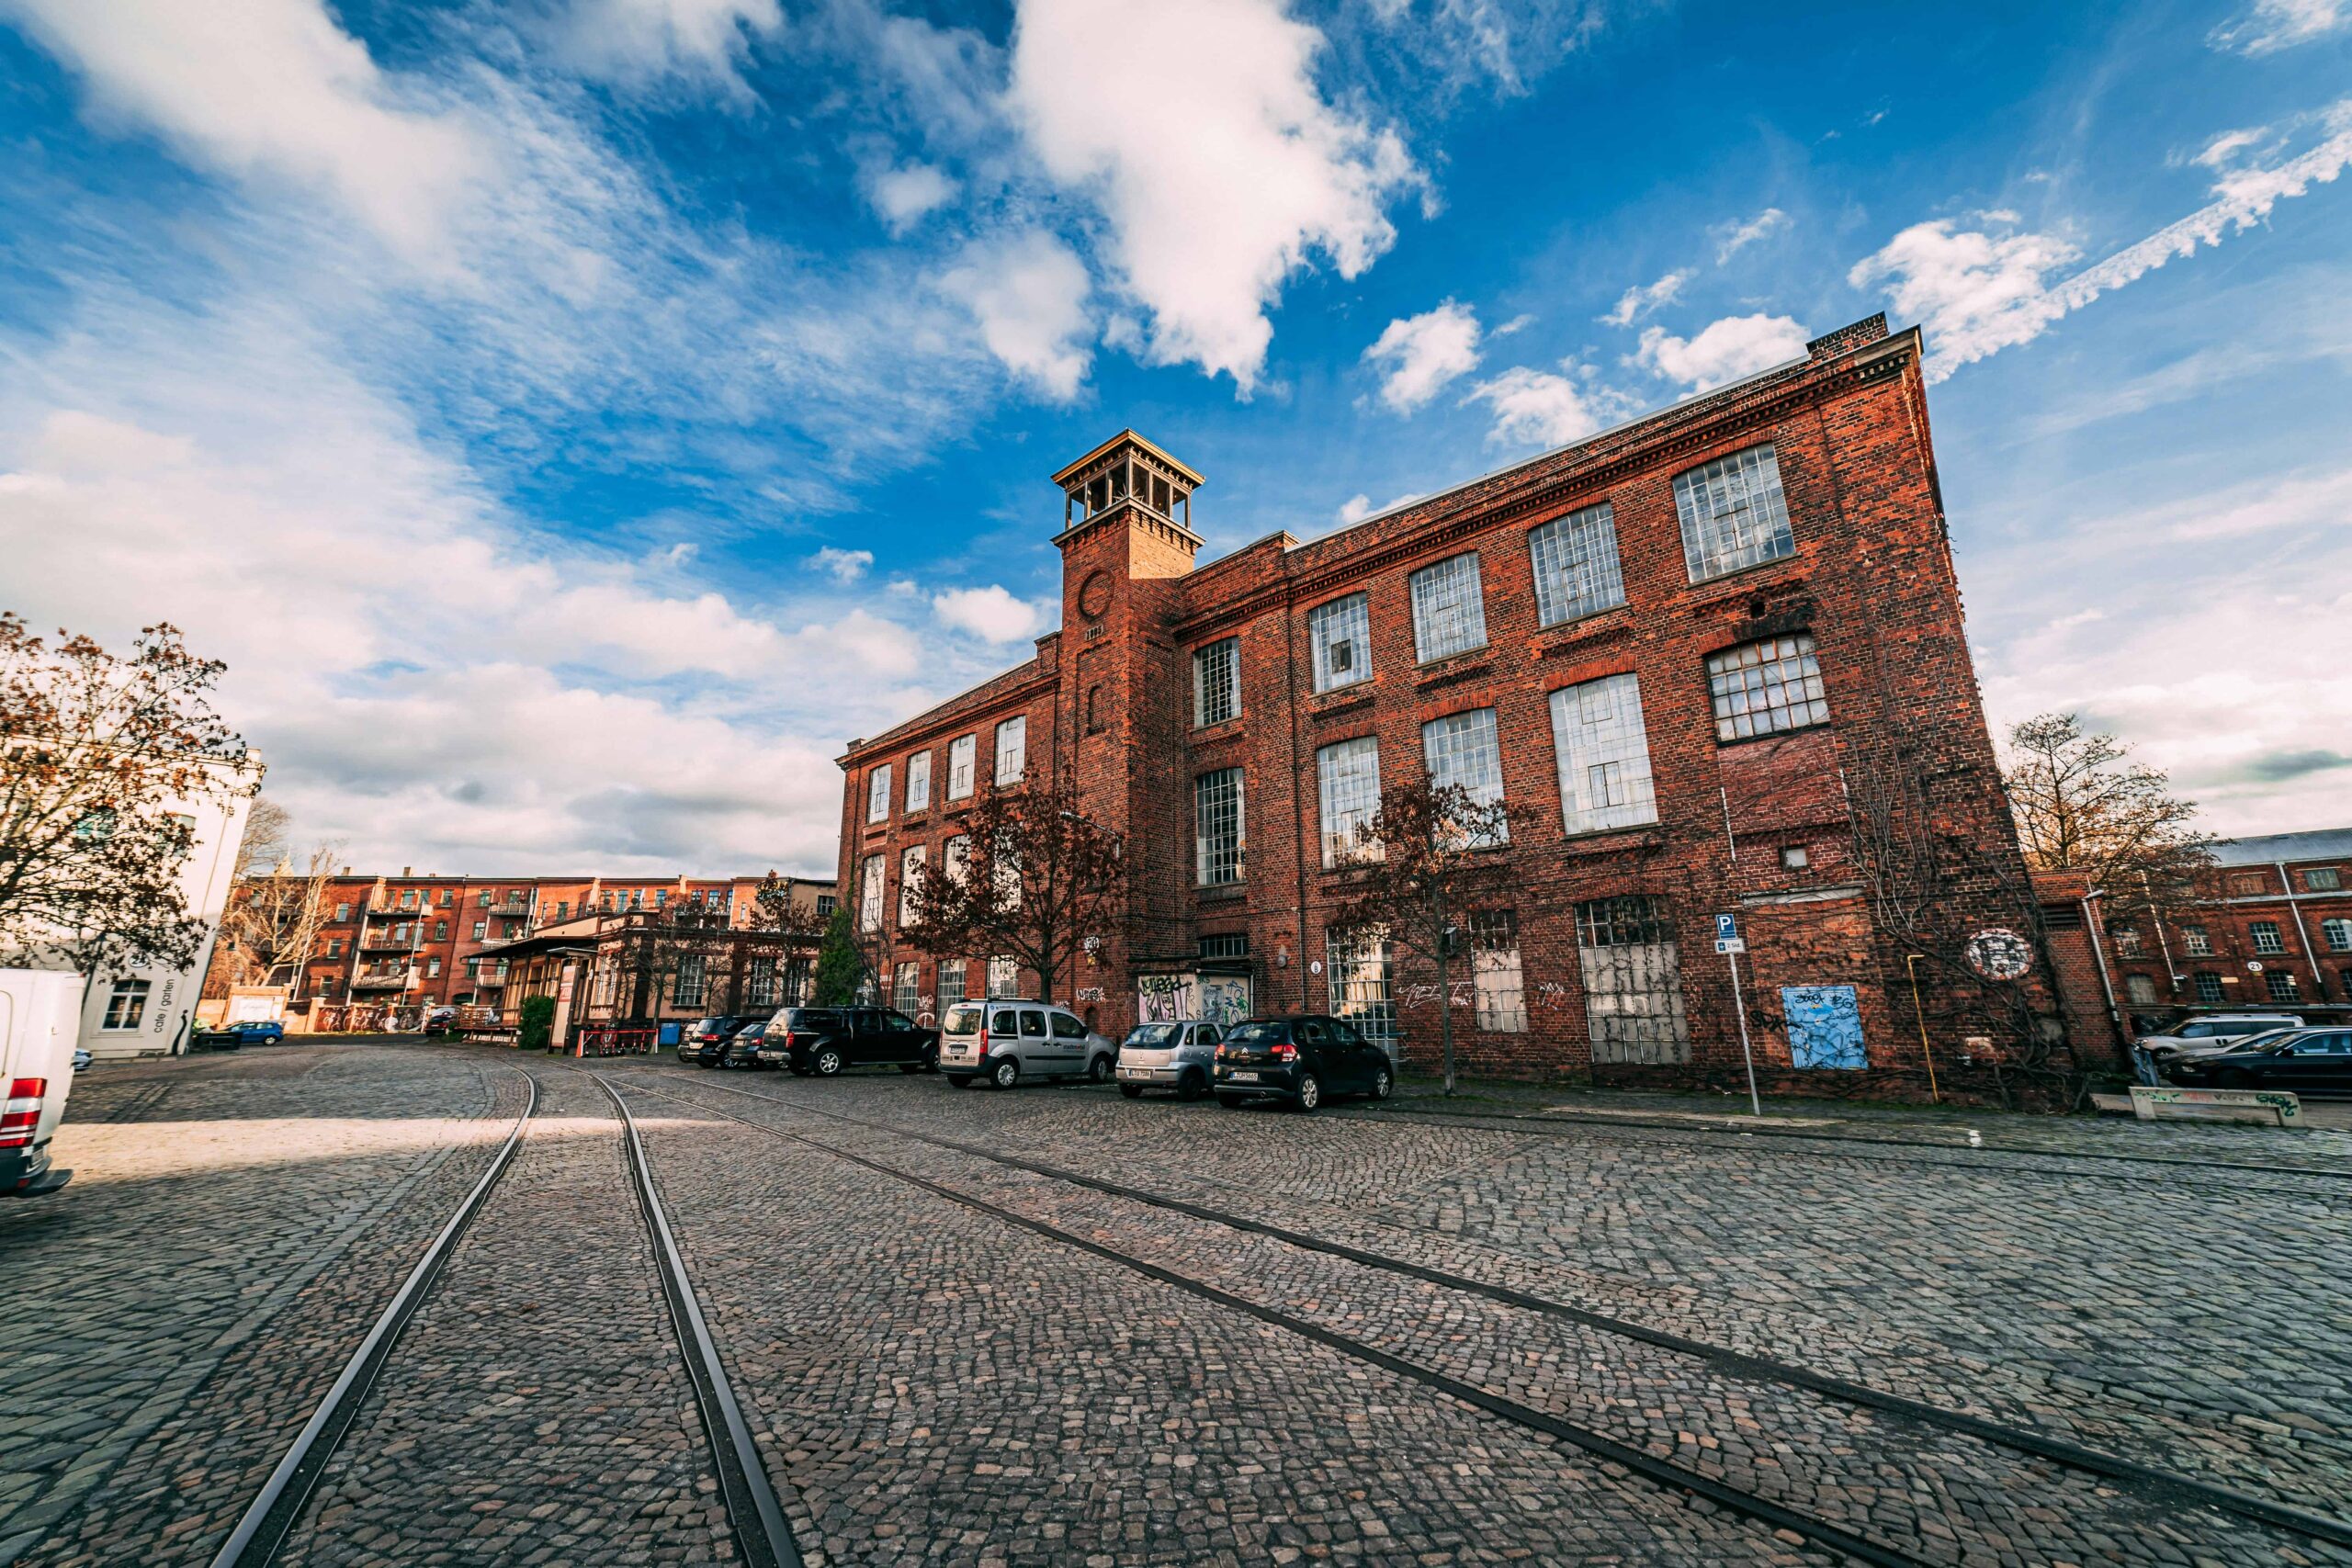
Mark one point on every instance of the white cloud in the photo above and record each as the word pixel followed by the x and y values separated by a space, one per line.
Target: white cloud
pixel 1355 509
pixel 2274 25
pixel 1537 408
pixel 1978 293
pixel 1422 353
pixel 1222 178
pixel 903 197
pixel 2229 144
pixel 1723 351
pixel 1028 293
pixel 638 42
pixel 1640 299
pixel 991 613
pixel 842 566
pixel 1735 237
pixel 272 87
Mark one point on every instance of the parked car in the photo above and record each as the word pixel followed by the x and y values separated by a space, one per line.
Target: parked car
pixel 40 1012
pixel 699 1046
pixel 1301 1060
pixel 741 1049
pixel 81 1059
pixel 822 1041
pixel 1168 1056
pixel 245 1032
pixel 1006 1039
pixel 2212 1033
pixel 2308 1061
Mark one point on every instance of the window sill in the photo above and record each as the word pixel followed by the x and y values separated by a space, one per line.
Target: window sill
pixel 1356 702
pixel 1224 730
pixel 1221 890
pixel 1447 665
pixel 1706 593
pixel 1722 744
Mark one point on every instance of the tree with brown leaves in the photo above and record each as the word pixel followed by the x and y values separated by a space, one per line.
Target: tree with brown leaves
pixel 276 908
pixel 2082 805
pixel 1036 879
pixel 1429 859
pixel 99 755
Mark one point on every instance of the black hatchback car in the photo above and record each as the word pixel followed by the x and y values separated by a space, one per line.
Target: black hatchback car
pixel 2308 1061
pixel 742 1047
pixel 821 1042
pixel 1302 1061
pixel 705 1038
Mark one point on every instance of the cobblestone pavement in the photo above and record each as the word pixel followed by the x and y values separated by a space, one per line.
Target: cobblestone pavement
pixel 934 1383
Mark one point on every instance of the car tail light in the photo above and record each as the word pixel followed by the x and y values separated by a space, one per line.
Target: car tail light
pixel 1286 1052
pixel 22 1112
pixel 791 1040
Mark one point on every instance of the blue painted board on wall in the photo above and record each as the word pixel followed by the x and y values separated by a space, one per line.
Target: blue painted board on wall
pixel 1824 1026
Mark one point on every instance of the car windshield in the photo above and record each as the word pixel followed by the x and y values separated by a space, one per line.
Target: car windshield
pixel 752 1032
pixel 2262 1042
pixel 963 1018
pixel 1258 1034
pixel 1154 1034
pixel 702 1026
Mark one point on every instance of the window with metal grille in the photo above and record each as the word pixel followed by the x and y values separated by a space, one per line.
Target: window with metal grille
pixel 1733 513
pixel 690 984
pixel 959 765
pixel 1462 749
pixel 1496 981
pixel 910 873
pixel 1604 755
pixel 126 1005
pixel 1348 783
pixel 869 895
pixel 906 990
pixel 1575 559
pixel 2322 879
pixel 761 983
pixel 2127 941
pixel 1217 830
pixel 2139 990
pixel 1761 688
pixel 1005 975
pixel 1227 945
pixel 1217 682
pixel 1012 750
pixel 2338 934
pixel 951 985
pixel 1339 633
pixel 1449 611
pixel 919 781
pixel 1633 981
pixel 2283 985
pixel 2267 937
pixel 1359 978
pixel 2209 986
pixel 2196 943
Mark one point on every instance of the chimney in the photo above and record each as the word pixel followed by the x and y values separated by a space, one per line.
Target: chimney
pixel 406 870
pixel 1870 329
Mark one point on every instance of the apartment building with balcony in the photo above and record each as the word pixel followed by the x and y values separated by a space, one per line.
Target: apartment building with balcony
pixel 1712 660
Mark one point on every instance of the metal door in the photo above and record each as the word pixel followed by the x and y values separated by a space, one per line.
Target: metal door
pixel 1825 1027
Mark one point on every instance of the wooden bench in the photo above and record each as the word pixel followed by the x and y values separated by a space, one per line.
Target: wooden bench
pixel 2267 1107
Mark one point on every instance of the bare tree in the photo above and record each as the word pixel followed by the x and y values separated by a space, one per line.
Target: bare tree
pixel 97 753
pixel 1430 859
pixel 1039 878
pixel 268 838
pixel 271 925
pixel 2082 805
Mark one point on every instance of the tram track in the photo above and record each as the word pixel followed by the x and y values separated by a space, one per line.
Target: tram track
pixel 2164 1488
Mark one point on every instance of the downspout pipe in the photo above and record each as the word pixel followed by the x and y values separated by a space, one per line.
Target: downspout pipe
pixel 2302 938
pixel 2099 955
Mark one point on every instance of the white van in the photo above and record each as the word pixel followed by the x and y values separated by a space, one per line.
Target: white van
pixel 1021 1039
pixel 41 1013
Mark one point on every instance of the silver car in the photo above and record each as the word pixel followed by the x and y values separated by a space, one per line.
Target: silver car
pixel 2213 1034
pixel 1006 1039
pixel 1168 1056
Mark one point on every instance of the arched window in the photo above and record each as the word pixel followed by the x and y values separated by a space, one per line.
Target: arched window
pixel 1093 710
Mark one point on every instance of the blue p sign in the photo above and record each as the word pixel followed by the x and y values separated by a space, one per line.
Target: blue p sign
pixel 1726 928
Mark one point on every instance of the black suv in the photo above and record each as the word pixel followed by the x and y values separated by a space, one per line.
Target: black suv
pixel 820 1041
pixel 706 1038
pixel 1301 1060
pixel 742 1047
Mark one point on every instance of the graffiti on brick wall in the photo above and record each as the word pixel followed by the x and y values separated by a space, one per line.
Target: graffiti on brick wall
pixel 1221 999
pixel 1825 1027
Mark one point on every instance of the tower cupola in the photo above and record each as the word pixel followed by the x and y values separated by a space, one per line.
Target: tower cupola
pixel 1129 474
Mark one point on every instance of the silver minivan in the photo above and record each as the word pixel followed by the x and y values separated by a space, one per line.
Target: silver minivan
pixel 1006 1039
pixel 1168 1056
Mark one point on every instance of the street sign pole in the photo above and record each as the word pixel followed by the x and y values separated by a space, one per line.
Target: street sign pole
pixel 1730 944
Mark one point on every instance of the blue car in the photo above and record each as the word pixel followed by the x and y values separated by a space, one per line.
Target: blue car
pixel 245 1032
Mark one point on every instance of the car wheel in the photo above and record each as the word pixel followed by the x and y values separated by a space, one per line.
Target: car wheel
pixel 931 1060
pixel 1230 1101
pixel 1310 1097
pixel 1132 1091
pixel 1383 1083
pixel 1192 1084
pixel 1005 1074
pixel 959 1080
pixel 2232 1077
pixel 827 1062
pixel 1098 1070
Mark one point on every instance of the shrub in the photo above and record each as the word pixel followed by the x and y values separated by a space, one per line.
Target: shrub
pixel 536 1024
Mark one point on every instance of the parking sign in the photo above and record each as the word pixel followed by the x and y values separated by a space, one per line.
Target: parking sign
pixel 1727 939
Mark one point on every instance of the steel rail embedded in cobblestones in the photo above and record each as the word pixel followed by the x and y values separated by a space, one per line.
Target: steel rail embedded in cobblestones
pixel 1662 1472
pixel 761 1538
pixel 1563 1122
pixel 2169 1487
pixel 274 1511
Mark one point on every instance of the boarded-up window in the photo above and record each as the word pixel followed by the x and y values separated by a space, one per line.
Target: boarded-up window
pixel 1633 981
pixel 1496 981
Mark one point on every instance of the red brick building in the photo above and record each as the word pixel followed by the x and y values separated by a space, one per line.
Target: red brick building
pixel 407 942
pixel 2273 929
pixel 1712 660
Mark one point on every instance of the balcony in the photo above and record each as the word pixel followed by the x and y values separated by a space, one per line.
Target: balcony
pixel 384 941
pixel 487 981
pixel 380 980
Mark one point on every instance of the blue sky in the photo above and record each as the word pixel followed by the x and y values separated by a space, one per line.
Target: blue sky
pixel 573 419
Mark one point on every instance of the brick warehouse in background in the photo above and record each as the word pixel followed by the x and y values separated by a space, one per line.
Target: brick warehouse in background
pixel 1713 659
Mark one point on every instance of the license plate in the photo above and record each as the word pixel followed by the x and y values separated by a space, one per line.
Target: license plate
pixel 1133 1073
pixel 1243 1077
